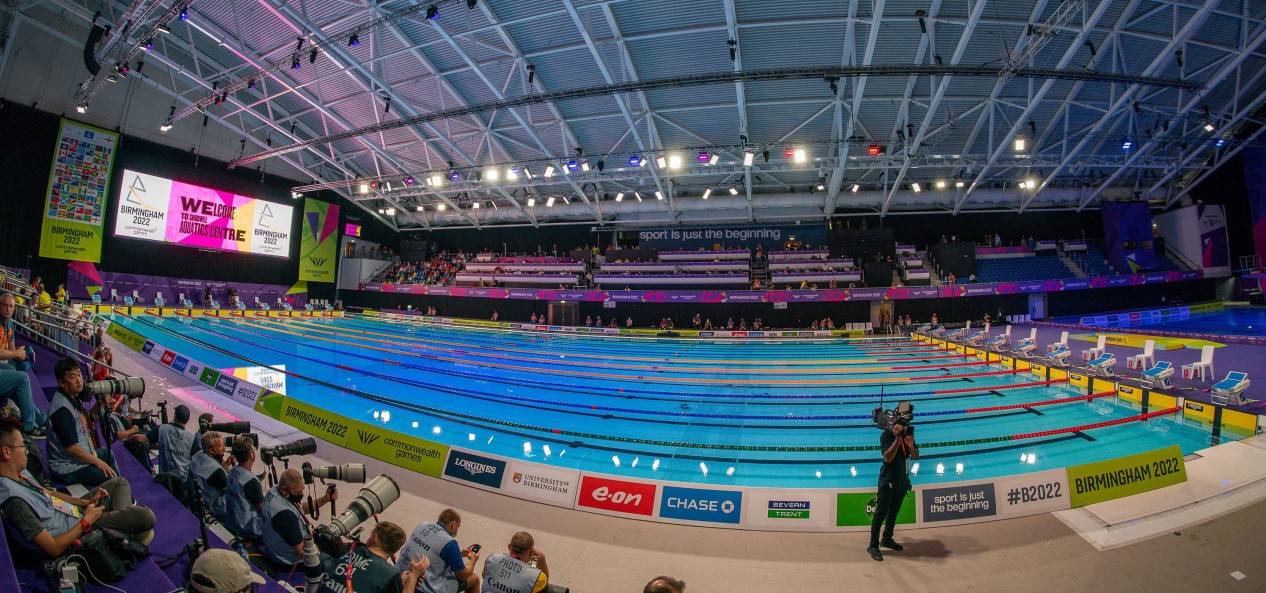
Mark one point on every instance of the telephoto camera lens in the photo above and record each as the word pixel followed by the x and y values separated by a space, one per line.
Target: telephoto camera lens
pixel 129 386
pixel 304 446
pixel 348 472
pixel 375 497
pixel 236 427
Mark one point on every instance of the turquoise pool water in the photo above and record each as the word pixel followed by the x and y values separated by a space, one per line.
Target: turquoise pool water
pixel 785 414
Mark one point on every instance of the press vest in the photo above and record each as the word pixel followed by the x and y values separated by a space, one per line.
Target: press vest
pixel 240 515
pixel 60 462
pixel 200 469
pixel 370 573
pixel 275 548
pixel 504 573
pixel 174 445
pixel 427 540
pixel 56 516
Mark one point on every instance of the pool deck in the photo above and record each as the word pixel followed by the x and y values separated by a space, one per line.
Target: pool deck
pixel 1205 535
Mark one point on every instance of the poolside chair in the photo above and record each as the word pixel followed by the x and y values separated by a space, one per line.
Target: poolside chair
pixel 1230 391
pixel 1063 341
pixel 1103 365
pixel 1145 360
pixel 136 296
pixel 1000 341
pixel 1158 376
pixel 114 294
pixel 1204 367
pixel 1090 354
pixel 1059 357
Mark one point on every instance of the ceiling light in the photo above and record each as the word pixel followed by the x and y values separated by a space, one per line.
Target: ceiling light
pixel 490 174
pixel 512 173
pixel 1208 127
pixel 527 172
pixel 566 200
pixel 531 202
pixel 916 187
pixel 391 212
pixel 706 193
pixel 382 211
pixel 748 158
pixel 714 159
pixel 475 206
pixel 619 196
pixel 364 188
pixel 1127 144
pixel 1218 144
pixel 638 195
pixel 388 186
pixel 441 207
pixel 550 202
pixel 420 208
pixel 659 195
pixel 435 180
pixel 674 161
pixel 1032 184
pixel 549 170
pixel 635 161
pixel 821 186
pixel 1020 143
pixel 800 155
pixel 703 156
pixel 855 188
pixel 733 191
pixel 82 108
pixel 960 183
pixel 940 184
pixel 584 166
pixel 661 162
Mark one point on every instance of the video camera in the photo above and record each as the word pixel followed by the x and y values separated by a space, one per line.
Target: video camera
pixel 903 414
pixel 304 446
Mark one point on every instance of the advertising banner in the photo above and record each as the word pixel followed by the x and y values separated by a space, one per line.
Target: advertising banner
pixel 1031 494
pixel 789 510
pixel 1127 232
pixel 960 501
pixel 1124 476
pixel 319 246
pixel 550 485
pixel 74 210
pixel 769 237
pixel 1215 250
pixel 475 469
pixel 700 504
pixel 853 509
pixel 617 496
pixel 157 209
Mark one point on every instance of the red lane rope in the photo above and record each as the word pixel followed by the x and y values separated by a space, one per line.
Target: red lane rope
pixel 1064 400
pixel 1046 433
pixel 1000 387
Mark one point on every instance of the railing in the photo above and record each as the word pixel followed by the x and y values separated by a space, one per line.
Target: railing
pixel 1180 258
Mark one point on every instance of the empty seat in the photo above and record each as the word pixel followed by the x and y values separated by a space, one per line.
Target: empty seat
pixel 1090 354
pixel 1144 360
pixel 1204 367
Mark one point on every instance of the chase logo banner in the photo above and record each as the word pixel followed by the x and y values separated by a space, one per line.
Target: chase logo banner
pixel 478 469
pixel 179 363
pixel 696 504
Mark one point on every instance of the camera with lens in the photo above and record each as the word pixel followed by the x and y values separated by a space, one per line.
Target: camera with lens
pixel 304 446
pixel 235 427
pixel 252 437
pixel 161 414
pixel 348 472
pixel 903 415
pixel 374 498
pixel 132 387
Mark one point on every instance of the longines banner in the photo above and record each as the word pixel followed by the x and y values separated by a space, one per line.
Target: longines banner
pixel 768 236
pixel 318 249
pixel 74 211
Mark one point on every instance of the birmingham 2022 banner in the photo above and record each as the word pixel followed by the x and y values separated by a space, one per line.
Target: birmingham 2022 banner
pixel 74 211
pixel 317 248
pixel 154 208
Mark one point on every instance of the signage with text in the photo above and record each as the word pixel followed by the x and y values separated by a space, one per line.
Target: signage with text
pixel 477 469
pixel 634 498
pixel 698 504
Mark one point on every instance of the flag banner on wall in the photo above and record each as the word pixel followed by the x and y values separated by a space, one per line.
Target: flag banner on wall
pixel 318 249
pixel 74 212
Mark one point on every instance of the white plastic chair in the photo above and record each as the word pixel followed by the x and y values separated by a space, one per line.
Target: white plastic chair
pixel 1093 353
pixel 136 296
pixel 1063 341
pixel 114 294
pixel 1146 360
pixel 1204 367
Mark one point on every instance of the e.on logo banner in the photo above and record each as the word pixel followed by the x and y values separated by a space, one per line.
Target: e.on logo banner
pixel 634 498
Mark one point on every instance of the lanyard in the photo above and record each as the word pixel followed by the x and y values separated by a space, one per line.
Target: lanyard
pixel 351 566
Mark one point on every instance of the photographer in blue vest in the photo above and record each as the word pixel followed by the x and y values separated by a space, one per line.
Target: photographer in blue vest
pixel 368 568
pixel 73 457
pixel 208 473
pixel 282 522
pixel 175 445
pixel 522 570
pixel 245 496
pixel 14 382
pixel 452 568
pixel 48 522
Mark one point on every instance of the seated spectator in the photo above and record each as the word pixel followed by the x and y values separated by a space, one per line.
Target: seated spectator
pixel 664 584
pixel 222 571
pixel 523 570
pixel 245 495
pixel 208 473
pixel 73 457
pixel 369 568
pixel 175 446
pixel 451 568
pixel 15 385
pixel 282 524
pixel 48 522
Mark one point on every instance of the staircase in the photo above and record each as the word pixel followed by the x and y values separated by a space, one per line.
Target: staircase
pixel 927 265
pixel 759 270
pixel 1072 266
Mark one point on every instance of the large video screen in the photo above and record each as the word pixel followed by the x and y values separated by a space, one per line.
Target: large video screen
pixel 157 209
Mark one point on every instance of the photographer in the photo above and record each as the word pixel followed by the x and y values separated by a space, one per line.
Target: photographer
pixel 175 446
pixel 451 568
pixel 222 571
pixel 368 569
pixel 72 456
pixel 523 570
pixel 49 522
pixel 283 525
pixel 208 472
pixel 245 498
pixel 897 443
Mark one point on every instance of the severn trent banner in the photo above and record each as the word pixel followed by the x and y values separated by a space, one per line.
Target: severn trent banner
pixel 74 210
pixel 318 249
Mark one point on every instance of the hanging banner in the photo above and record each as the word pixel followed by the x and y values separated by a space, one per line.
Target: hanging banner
pixel 318 249
pixel 74 211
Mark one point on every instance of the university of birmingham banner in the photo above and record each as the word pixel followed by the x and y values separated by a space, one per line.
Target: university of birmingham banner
pixel 319 246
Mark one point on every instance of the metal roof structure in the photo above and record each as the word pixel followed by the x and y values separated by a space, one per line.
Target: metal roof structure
pixel 485 113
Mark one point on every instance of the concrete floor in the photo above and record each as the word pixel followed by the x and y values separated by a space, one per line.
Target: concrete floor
pixel 599 554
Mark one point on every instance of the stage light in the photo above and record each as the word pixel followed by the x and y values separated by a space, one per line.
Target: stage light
pixel 454 176
pixel 435 180
pixel 1020 143
pixel 409 180
pixel 184 14
pixel 419 208
pixel 1208 127
pixel 294 195
pixel 391 212
pixel 549 171
pixel 874 150
pixel 512 173
pixel 800 155
pixel 163 128
pixel 490 174
pixel 550 202
pixel 475 206
pixel 733 191
pixel 164 29
pixel 659 195
pixel 294 62
pixel 364 188
pixel 714 159
pixel 566 200
pixel 916 187
pixel 527 172
pixel 531 70
pixel 820 186
pixel 601 165
pixel 635 161
pixel 572 164
pixel 584 166
pixel 940 184
pixel 531 202
pixel 82 108
pixel 388 186
pixel 789 153
pixel 855 188
pixel 960 183
pixel 149 44
pixel 381 211
pixel 707 192
pixel 674 161
pixel 432 12
pixel 1032 184
pixel 661 162
pixel 471 5
pixel 250 83
pixel 1218 144
pixel 703 156
pixel 441 206
pixel 619 197
pixel 354 40
pixel 1127 144
pixel 140 65
pixel 748 158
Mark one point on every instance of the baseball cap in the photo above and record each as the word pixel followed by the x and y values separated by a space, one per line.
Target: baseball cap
pixel 182 413
pixel 221 571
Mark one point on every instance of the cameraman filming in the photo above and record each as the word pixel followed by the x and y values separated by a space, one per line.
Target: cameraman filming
pixel 368 568
pixel 897 443
pixel 208 472
pixel 175 445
